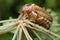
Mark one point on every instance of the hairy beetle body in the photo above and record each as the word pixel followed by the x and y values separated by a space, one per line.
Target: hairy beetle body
pixel 37 14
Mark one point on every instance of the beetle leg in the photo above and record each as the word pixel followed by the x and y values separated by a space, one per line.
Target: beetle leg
pixel 32 16
pixel 39 20
pixel 47 25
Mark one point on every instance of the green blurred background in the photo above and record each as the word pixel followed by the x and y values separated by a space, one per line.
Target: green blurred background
pixel 9 8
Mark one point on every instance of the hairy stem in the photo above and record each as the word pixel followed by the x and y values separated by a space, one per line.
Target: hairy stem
pixel 26 33
pixel 16 32
pixel 41 28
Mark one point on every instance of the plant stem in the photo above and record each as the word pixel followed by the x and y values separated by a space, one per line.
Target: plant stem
pixel 20 33
pixel 26 33
pixel 15 34
pixel 7 20
pixel 41 28
pixel 36 35
pixel 11 27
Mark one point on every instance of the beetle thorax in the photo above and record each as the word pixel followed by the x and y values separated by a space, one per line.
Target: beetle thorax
pixel 27 7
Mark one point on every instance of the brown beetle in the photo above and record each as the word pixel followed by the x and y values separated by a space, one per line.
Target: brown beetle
pixel 37 14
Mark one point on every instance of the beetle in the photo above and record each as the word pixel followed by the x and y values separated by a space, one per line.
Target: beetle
pixel 37 14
